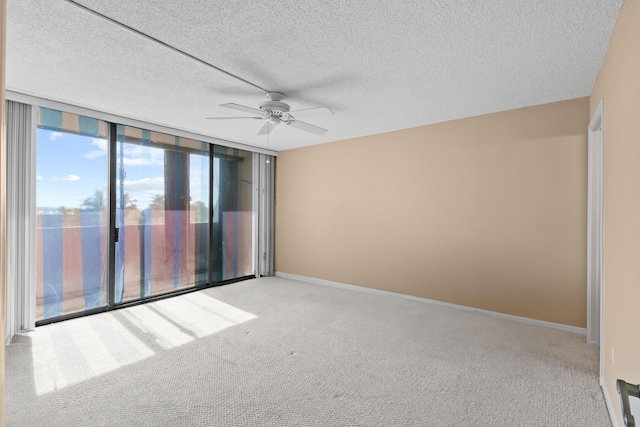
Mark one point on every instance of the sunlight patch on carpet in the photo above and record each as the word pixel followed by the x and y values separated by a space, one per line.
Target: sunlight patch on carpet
pixel 76 350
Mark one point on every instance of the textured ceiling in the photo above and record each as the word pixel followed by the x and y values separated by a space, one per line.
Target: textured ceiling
pixel 380 65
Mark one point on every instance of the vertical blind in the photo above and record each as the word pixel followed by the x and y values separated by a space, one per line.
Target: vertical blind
pixel 20 218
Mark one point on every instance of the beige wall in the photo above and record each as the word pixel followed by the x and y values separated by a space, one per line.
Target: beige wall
pixel 618 83
pixel 488 212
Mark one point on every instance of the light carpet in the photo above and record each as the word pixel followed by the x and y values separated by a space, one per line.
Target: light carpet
pixel 277 352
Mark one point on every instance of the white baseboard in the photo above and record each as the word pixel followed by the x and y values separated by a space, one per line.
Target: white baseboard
pixel 607 399
pixel 559 326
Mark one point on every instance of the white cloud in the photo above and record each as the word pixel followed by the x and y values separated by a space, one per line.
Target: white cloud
pixel 55 135
pixel 69 177
pixel 140 161
pixel 39 178
pixel 145 185
pixel 139 155
pixel 133 155
pixel 100 152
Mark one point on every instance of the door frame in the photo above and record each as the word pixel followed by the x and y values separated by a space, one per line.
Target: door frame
pixel 595 230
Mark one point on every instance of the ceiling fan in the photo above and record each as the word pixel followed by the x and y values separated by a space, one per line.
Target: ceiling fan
pixel 275 112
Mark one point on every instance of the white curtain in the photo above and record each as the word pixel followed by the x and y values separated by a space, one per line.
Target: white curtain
pixel 21 217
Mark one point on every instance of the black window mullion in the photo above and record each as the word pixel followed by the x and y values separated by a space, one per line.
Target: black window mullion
pixel 210 248
pixel 111 282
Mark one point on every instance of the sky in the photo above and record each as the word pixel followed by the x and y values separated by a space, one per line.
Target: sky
pixel 71 168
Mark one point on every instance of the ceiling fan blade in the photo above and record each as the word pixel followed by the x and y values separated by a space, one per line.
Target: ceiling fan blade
pixel 242 108
pixel 307 127
pixel 266 129
pixel 312 112
pixel 227 118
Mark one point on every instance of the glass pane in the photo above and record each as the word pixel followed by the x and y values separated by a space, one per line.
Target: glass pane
pixel 72 213
pixel 232 255
pixel 162 194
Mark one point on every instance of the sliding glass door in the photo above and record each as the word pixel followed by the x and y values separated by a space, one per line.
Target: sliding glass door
pixel 232 254
pixel 126 214
pixel 71 213
pixel 162 199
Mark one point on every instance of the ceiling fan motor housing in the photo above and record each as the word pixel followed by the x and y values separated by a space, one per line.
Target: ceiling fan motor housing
pixel 274 105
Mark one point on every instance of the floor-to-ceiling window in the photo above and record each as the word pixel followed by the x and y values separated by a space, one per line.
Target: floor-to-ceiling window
pixel 232 254
pixel 72 216
pixel 162 199
pixel 126 214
